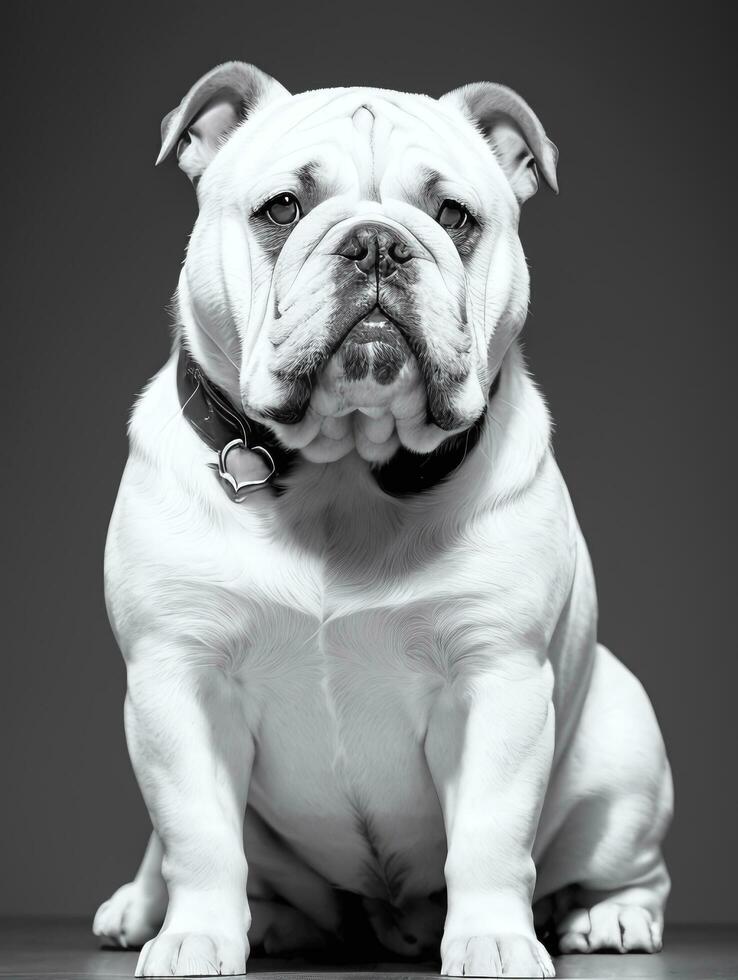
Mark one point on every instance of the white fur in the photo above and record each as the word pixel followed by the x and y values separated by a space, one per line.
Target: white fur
pixel 409 691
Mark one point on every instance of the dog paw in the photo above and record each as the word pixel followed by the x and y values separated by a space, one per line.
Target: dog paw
pixel 131 916
pixel 496 956
pixel 610 926
pixel 192 954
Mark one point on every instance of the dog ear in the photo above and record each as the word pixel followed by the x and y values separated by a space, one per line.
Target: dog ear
pixel 513 131
pixel 212 108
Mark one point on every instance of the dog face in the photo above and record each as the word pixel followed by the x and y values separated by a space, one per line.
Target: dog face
pixel 355 275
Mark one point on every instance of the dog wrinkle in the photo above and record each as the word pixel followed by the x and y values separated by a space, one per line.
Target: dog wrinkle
pixel 363 118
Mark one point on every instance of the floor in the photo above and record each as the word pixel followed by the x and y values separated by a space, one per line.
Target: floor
pixel 32 949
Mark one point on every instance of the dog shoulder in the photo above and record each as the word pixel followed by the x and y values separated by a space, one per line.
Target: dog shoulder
pixel 177 547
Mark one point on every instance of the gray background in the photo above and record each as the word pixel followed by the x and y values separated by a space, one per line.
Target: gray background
pixel 632 336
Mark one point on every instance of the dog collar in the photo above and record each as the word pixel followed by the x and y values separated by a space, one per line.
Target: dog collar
pixel 249 457
pixel 408 473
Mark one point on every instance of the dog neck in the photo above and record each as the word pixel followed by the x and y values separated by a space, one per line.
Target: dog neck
pixel 225 429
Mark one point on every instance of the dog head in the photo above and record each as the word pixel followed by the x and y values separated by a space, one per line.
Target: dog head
pixel 355 277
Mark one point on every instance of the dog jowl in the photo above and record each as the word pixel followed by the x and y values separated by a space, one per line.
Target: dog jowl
pixel 371 665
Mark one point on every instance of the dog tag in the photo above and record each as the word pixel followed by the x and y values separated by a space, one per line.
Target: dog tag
pixel 244 469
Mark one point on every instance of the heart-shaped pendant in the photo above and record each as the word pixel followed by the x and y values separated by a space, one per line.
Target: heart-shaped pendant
pixel 244 468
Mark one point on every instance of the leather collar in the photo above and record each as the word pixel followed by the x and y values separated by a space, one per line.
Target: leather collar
pixel 227 431
pixel 408 473
pixel 238 440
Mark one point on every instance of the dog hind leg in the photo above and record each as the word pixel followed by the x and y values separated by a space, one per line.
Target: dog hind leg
pixel 134 913
pixel 609 842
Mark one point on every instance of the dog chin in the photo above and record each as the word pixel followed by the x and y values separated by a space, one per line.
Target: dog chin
pixel 364 415
pixel 365 390
pixel 366 418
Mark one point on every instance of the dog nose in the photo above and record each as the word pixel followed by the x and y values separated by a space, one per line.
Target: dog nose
pixel 376 249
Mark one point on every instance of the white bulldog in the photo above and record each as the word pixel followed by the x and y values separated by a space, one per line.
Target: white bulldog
pixel 371 614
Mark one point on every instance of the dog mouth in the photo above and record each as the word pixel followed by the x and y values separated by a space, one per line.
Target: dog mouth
pixel 374 325
pixel 375 347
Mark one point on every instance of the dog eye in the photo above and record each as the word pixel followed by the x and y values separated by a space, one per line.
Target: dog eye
pixel 452 216
pixel 284 209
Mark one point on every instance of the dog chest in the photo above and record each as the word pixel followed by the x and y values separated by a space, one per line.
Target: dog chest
pixel 340 770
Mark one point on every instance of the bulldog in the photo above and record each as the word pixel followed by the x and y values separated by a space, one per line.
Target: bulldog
pixel 356 609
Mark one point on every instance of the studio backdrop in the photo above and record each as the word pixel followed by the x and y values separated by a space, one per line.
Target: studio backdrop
pixel 631 336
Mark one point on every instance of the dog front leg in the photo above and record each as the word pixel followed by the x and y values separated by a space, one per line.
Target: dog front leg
pixel 489 747
pixel 192 755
